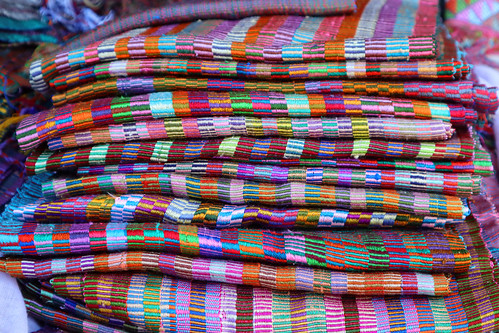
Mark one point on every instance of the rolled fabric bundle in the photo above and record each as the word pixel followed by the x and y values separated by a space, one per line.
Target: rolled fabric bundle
pixel 458 184
pixel 459 147
pixel 211 127
pixel 42 126
pixel 285 278
pixel 237 192
pixel 353 250
pixel 153 208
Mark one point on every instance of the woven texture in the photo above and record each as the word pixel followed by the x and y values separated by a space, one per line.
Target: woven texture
pixel 288 278
pixel 153 208
pixel 360 25
pixel 463 92
pixel 459 147
pixel 362 250
pixel 445 69
pixel 39 127
pixel 458 184
pixel 207 127
pixel 234 191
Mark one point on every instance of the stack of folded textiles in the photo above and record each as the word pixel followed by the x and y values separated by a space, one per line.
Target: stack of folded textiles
pixel 266 166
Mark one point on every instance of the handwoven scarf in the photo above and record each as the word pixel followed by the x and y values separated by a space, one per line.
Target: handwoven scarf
pixel 237 192
pixel 207 127
pixel 353 250
pixel 286 278
pixel 458 184
pixel 462 91
pixel 161 209
pixel 86 115
pixel 459 147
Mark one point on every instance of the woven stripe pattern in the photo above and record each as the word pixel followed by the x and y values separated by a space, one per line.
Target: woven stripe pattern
pixel 207 127
pixel 234 191
pixel 74 118
pixel 360 250
pixel 288 278
pixel 416 70
pixel 458 184
pixel 459 147
pixel 252 308
pixel 153 208
pixel 361 25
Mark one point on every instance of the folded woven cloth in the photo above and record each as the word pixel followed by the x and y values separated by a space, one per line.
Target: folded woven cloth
pixel 235 191
pixel 41 300
pixel 214 307
pixel 461 92
pixel 458 184
pixel 86 115
pixel 61 319
pixel 459 147
pixel 359 250
pixel 289 278
pixel 154 208
pixel 245 38
pixel 422 70
pixel 209 127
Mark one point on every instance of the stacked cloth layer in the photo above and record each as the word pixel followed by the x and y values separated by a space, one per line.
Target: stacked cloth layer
pixel 231 166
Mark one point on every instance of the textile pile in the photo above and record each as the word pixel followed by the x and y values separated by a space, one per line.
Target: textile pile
pixel 256 166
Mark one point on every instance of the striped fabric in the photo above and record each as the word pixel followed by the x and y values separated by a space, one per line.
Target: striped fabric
pixel 238 192
pixel 359 250
pixel 45 295
pixel 447 70
pixel 290 278
pixel 86 115
pixel 461 92
pixel 159 302
pixel 458 184
pixel 237 37
pixel 459 147
pixel 60 319
pixel 154 208
pixel 207 127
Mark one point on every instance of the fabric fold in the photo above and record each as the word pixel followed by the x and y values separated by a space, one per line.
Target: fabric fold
pixel 82 116
pixel 359 250
pixel 285 278
pixel 237 192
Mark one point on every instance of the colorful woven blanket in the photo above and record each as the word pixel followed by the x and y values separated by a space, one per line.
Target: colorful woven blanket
pixel 86 115
pixel 459 147
pixel 236 192
pixel 207 127
pixel 462 92
pixel 277 33
pixel 458 184
pixel 359 250
pixel 286 278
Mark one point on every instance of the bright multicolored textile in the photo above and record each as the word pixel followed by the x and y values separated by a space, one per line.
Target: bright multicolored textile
pixel 204 306
pixel 238 192
pixel 153 208
pixel 44 295
pixel 60 319
pixel 86 115
pixel 462 92
pixel 288 278
pixel 459 147
pixel 458 184
pixel 207 127
pixel 422 70
pixel 472 306
pixel 238 37
pixel 359 250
